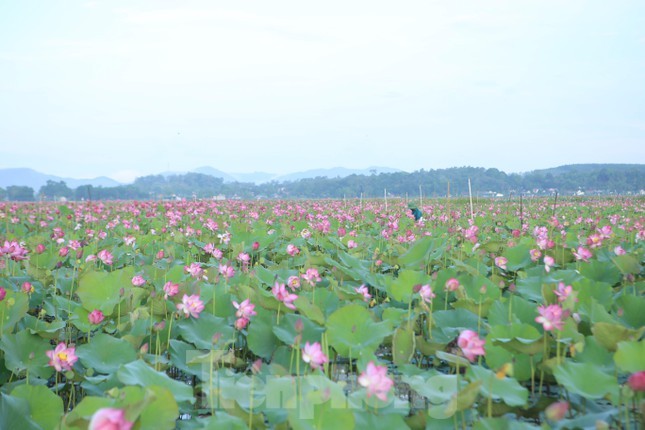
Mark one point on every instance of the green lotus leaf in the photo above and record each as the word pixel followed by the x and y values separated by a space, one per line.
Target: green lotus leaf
pixel 321 406
pixel 522 338
pixel 609 335
pixel 181 354
pixel 15 414
pixel 632 307
pixel 352 330
pixel 630 356
pixel 200 331
pixel 402 287
pixel 46 408
pixel 308 309
pixel 105 353
pixel 596 354
pixel 403 345
pixel 221 421
pixel 506 389
pixel 586 380
pixel 465 397
pixel 601 271
pixel 286 331
pixel 139 373
pixel 368 420
pixel 154 407
pixel 502 424
pixel 600 291
pixel 43 328
pixel 101 290
pixel 419 251
pixel 518 257
pixel 26 352
pixel 261 339
pixel 12 309
pixel 627 264
pixel 453 322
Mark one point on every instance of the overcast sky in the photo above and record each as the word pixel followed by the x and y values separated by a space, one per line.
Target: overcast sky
pixel 127 88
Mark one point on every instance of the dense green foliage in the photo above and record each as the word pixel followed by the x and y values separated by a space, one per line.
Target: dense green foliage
pixel 311 314
pixel 593 179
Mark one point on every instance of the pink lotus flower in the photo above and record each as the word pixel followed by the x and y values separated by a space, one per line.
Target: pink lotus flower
pixel 563 291
pixel 3 293
pixel 27 287
pixel 452 284
pixel 63 251
pixel 471 233
pixel 224 238
pixel 40 248
pixel 594 241
pixel 376 381
pixel 535 254
pixel 195 270
pixel 556 411
pixel 311 276
pixel 352 244
pixel 226 271
pixel 96 317
pixel 280 292
pixel 244 258
pixel 14 250
pixel 292 250
pixel 109 419
pixel 363 290
pixel 62 357
pixel 426 293
pixel 293 282
pixel 550 317
pixel 548 263
pixel 636 381
pixel 170 289
pixel 619 250
pixel 191 306
pixel 582 254
pixel 106 257
pixel 501 262
pixel 471 345
pixel 138 280
pixel 160 254
pixel 241 323
pixel 245 309
pixel 313 355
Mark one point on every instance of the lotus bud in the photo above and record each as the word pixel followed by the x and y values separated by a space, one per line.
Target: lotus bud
pixel 556 411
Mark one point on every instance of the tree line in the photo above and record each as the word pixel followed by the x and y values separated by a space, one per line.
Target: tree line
pixel 588 179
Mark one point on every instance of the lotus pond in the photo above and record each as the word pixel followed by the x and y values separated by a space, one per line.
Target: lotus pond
pixel 322 314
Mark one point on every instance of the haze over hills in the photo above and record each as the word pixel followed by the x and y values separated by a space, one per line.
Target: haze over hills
pixel 34 179
pixel 335 172
pixel 23 176
pixel 321 183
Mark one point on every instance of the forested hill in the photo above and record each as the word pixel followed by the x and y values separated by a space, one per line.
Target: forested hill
pixel 588 179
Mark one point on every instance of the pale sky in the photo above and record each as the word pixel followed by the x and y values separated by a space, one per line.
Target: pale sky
pixel 127 88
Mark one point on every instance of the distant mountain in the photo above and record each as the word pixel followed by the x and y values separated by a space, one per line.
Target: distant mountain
pixel 581 168
pixel 264 177
pixel 335 172
pixel 207 170
pixel 255 177
pixel 31 178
